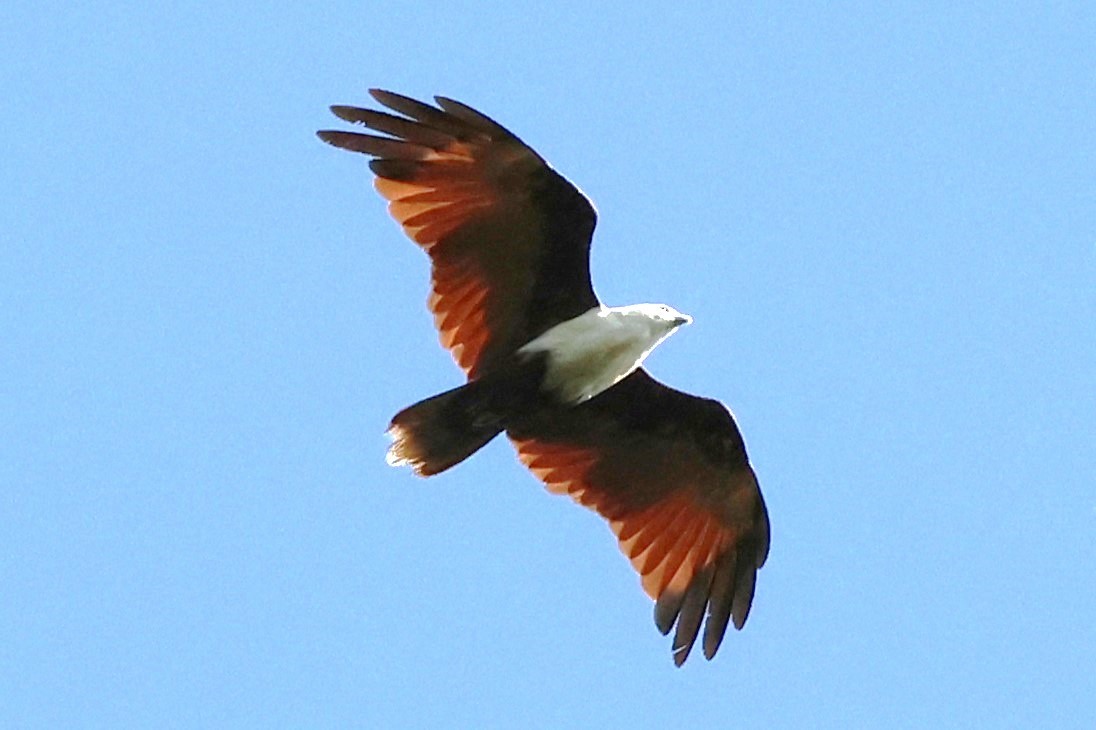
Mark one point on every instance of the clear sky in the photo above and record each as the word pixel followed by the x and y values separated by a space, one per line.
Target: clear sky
pixel 881 215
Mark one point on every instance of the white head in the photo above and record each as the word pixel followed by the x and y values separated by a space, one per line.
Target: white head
pixel 649 323
pixel 662 317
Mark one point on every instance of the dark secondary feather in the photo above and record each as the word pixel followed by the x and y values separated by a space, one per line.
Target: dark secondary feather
pixel 670 473
pixel 508 237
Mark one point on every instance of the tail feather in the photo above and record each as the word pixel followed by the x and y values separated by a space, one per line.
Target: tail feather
pixel 442 431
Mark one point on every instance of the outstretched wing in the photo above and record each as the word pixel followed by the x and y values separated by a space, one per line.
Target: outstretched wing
pixel 669 472
pixel 509 238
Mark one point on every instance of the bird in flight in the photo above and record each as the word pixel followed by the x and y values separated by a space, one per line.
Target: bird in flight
pixel 559 372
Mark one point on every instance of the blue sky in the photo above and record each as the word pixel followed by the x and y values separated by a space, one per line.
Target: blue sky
pixel 881 215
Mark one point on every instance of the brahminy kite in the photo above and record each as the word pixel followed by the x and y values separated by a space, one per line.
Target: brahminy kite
pixel 509 242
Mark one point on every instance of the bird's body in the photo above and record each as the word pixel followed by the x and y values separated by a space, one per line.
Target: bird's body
pixel 547 363
pixel 597 349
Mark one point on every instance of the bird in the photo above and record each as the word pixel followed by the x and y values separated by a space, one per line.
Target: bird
pixel 557 371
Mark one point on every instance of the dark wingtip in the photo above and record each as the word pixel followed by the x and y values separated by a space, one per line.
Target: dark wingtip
pixel 711 645
pixel 390 99
pixel 738 617
pixel 351 141
pixel 475 118
pixel 745 584
pixel 345 112
pixel 667 608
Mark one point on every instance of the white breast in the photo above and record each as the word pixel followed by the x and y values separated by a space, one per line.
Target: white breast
pixel 595 350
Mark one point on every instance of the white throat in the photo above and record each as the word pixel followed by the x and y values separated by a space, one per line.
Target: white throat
pixel 601 347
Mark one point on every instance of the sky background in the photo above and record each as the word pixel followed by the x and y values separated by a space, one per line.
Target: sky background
pixel 881 215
